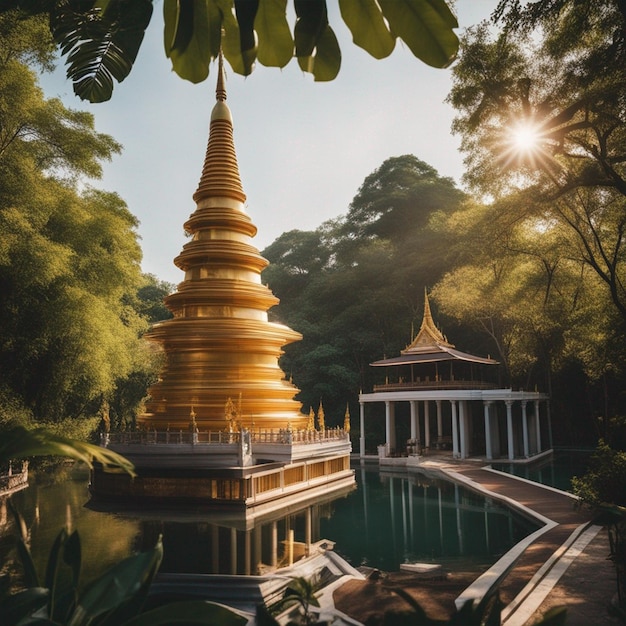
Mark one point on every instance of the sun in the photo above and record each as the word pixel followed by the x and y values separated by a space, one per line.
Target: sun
pixel 525 138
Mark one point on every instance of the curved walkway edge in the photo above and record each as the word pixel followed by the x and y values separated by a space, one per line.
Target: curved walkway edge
pixel 526 573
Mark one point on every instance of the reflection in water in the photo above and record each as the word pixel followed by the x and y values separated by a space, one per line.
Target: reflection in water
pixel 387 520
pixel 556 471
pixel 409 517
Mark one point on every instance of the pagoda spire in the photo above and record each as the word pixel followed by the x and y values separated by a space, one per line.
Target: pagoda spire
pixel 220 89
pixel 220 343
pixel 220 173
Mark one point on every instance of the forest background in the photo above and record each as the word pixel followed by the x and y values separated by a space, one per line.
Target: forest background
pixel 526 264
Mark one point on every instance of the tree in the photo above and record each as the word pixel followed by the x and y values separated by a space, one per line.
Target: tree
pixel 354 286
pixel 553 76
pixel 397 199
pixel 69 253
pixel 102 39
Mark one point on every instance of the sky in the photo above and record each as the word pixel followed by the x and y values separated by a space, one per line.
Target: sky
pixel 304 148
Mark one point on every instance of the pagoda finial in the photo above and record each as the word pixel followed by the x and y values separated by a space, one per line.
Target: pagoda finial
pixel 220 89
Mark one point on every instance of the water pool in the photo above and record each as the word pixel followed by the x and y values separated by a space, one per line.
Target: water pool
pixel 556 471
pixel 388 519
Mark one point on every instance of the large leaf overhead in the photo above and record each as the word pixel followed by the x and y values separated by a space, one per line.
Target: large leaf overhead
pixel 101 38
pixel 368 27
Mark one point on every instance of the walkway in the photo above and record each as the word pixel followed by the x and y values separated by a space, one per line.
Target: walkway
pixel 533 560
pixel 535 569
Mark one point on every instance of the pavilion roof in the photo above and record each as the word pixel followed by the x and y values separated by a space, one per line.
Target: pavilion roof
pixel 431 346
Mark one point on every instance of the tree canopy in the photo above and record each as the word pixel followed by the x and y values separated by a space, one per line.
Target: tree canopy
pixel 541 264
pixel 69 253
pixel 101 38
pixel 354 287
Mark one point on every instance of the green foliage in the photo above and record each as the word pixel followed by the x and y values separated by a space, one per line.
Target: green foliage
pixel 149 301
pixel 118 597
pixel 543 74
pixel 18 442
pixel 102 39
pixel 540 267
pixel 71 315
pixel 354 287
pixel 603 488
pixel 605 481
pixel 299 593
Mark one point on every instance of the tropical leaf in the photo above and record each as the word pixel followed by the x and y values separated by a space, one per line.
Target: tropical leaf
pixel 312 19
pixel 325 63
pixel 192 36
pixel 17 607
pixel 275 42
pixel 107 596
pixel 368 27
pixel 240 59
pixel 18 442
pixel 101 43
pixel 62 575
pixel 101 38
pixel 426 28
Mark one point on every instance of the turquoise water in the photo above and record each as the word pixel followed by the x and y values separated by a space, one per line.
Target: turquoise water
pixel 388 519
pixel 403 518
pixel 556 471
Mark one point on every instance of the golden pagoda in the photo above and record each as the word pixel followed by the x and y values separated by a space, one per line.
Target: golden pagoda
pixel 196 444
pixel 220 344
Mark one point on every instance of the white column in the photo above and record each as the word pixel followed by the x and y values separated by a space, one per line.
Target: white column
pixel 362 437
pixel 509 428
pixel 525 429
pixel 426 424
pixel 488 448
pixel 463 429
pixel 390 425
pixel 414 419
pixel 439 419
pixel 455 438
pixel 537 426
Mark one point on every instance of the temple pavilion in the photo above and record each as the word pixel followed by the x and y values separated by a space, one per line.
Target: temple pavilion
pixel 452 405
pixel 221 425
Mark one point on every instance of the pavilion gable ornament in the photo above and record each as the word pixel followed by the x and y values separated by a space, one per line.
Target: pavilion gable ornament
pixel 429 335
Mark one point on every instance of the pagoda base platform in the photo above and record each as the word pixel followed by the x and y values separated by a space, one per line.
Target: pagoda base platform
pixel 241 470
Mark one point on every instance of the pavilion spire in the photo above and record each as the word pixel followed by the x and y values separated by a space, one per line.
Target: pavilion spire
pixel 429 335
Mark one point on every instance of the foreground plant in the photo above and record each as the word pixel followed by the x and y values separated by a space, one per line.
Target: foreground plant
pixel 18 442
pixel 101 38
pixel 117 598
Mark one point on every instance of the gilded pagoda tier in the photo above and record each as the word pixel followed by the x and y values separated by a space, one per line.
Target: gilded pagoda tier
pixel 220 348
